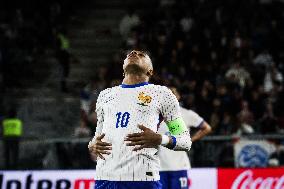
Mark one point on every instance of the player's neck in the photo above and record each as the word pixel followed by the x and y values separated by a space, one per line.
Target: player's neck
pixel 131 79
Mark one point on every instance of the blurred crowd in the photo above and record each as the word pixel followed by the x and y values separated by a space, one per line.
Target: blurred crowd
pixel 225 57
pixel 28 30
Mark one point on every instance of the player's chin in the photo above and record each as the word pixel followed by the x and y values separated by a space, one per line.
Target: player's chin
pixel 134 69
pixel 128 62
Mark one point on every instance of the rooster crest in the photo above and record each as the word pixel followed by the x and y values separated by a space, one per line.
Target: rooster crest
pixel 144 99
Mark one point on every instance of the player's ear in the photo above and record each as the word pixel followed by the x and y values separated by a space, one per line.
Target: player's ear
pixel 150 73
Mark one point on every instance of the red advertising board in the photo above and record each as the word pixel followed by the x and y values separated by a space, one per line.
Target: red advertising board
pixel 251 178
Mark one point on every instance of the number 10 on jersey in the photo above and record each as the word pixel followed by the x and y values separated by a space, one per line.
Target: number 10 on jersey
pixel 122 119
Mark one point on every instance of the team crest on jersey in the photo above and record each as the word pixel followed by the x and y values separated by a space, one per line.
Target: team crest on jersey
pixel 144 99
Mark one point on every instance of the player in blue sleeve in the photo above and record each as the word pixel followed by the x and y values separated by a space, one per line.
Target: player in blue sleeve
pixel 175 165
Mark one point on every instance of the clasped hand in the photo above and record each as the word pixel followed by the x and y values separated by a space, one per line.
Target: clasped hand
pixel 145 139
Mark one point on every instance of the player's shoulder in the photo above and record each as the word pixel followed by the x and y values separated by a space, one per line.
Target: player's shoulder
pixel 159 88
pixel 108 91
pixel 190 113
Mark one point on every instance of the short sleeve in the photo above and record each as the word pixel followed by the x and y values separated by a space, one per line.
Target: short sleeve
pixel 170 108
pixel 193 119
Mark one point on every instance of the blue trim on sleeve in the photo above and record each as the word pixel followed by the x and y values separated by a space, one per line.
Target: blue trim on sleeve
pixel 174 142
pixel 134 86
pixel 200 124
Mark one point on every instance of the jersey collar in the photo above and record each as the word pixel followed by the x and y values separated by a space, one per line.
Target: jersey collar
pixel 134 86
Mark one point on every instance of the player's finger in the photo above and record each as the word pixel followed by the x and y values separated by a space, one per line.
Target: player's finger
pixel 101 137
pixel 103 148
pixel 100 155
pixel 139 148
pixel 142 127
pixel 134 135
pixel 91 143
pixel 134 139
pixel 135 143
pixel 92 147
pixel 100 143
pixel 103 152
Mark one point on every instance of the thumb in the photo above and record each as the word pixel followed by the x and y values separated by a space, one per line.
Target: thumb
pixel 142 127
pixel 101 137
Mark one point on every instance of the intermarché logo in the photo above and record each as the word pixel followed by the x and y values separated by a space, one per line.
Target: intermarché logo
pixel 30 183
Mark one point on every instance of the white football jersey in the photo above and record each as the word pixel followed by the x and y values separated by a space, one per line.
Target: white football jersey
pixel 177 160
pixel 119 112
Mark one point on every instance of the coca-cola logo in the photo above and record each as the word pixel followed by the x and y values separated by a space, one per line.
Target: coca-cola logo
pixel 246 180
pixel 252 156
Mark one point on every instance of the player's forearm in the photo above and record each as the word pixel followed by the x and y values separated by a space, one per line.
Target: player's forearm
pixel 198 135
pixel 180 136
pixel 181 142
pixel 205 129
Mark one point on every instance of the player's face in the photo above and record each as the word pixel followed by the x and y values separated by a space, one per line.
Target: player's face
pixel 138 58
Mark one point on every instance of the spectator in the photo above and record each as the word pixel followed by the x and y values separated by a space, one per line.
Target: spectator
pixel 88 99
pixel 227 126
pixel 63 56
pixel 238 42
pixel 238 73
pixel 128 22
pixel 277 158
pixel 264 59
pixel 246 119
pixel 82 131
pixel 12 132
pixel 256 101
pixel 215 120
pixel 268 122
pixel 186 23
pixel 272 76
